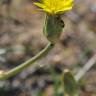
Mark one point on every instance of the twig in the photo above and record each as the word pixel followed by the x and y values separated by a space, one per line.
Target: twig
pixel 86 68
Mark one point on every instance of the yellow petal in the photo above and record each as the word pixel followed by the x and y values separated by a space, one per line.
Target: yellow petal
pixel 55 6
pixel 65 9
pixel 43 7
pixel 39 5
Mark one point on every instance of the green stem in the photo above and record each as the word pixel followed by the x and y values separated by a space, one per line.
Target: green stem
pixel 14 71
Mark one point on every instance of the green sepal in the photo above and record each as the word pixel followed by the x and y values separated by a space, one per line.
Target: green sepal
pixel 53 28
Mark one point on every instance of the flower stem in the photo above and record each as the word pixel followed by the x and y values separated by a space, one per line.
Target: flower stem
pixel 5 75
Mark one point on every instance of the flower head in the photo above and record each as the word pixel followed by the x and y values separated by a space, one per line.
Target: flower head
pixel 55 6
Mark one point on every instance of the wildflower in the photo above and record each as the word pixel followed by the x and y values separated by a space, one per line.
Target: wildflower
pixel 53 23
pixel 55 6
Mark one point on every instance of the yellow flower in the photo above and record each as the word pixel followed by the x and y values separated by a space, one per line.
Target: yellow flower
pixel 55 6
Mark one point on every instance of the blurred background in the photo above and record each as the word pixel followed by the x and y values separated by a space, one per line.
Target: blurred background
pixel 21 37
